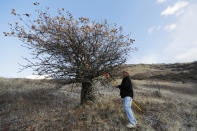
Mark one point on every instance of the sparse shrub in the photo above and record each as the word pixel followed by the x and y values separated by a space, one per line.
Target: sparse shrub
pixel 157 93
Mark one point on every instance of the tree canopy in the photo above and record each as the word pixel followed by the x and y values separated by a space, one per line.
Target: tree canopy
pixel 66 47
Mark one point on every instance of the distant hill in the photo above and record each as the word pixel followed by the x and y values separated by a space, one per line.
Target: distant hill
pixel 184 72
pixel 171 72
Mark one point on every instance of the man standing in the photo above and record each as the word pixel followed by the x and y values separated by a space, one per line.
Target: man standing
pixel 126 92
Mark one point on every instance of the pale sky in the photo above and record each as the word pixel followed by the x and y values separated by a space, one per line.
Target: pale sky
pixel 164 30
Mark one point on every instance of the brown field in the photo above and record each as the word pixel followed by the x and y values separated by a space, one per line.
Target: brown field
pixel 37 105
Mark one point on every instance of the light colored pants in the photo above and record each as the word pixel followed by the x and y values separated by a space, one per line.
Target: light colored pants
pixel 127 101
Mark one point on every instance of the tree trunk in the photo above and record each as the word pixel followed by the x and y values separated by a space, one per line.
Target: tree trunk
pixel 87 93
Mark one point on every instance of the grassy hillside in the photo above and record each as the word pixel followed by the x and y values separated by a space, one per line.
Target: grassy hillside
pixel 184 72
pixel 39 105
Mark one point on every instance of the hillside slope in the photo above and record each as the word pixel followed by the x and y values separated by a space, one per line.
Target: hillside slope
pixel 43 105
pixel 170 72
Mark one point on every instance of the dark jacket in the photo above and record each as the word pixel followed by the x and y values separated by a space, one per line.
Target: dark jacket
pixel 126 88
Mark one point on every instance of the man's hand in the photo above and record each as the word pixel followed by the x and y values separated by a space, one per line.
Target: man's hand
pixel 106 75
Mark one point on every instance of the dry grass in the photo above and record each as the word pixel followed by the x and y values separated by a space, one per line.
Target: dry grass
pixel 41 106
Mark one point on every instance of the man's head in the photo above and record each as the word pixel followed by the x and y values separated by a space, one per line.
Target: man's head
pixel 125 73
